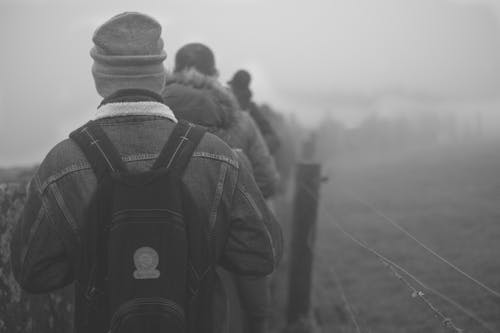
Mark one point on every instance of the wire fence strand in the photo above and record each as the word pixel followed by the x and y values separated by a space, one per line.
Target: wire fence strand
pixel 446 321
pixel 424 246
pixel 362 244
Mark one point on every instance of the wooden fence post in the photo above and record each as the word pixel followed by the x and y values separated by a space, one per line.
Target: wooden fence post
pixel 302 248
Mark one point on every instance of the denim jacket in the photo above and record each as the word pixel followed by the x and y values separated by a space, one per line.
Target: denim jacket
pixel 47 240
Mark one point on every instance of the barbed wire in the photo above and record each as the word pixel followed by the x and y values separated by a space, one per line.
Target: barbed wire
pixel 387 260
pixel 447 299
pixel 446 321
pixel 421 244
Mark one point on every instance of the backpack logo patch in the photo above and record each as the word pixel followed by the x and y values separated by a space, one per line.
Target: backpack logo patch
pixel 145 261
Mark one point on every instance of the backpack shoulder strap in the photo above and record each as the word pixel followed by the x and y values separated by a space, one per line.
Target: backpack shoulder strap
pixel 98 149
pixel 180 146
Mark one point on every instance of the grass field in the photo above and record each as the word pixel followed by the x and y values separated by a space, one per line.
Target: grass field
pixel 448 198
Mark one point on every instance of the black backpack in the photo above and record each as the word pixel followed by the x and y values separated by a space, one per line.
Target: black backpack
pixel 147 261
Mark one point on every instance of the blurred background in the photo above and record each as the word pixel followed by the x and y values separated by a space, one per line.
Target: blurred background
pixel 413 61
pixel 398 100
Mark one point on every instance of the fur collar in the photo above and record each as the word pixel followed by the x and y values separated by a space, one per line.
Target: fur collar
pixel 135 109
pixel 222 96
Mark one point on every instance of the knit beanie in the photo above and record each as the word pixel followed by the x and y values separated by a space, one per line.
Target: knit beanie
pixel 240 86
pixel 241 80
pixel 128 53
pixel 197 56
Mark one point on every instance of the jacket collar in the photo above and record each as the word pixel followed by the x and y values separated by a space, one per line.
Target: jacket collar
pixel 134 102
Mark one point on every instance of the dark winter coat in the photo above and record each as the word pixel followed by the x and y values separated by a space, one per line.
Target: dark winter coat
pixel 244 98
pixel 203 100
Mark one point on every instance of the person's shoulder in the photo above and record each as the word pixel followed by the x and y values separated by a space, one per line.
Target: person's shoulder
pixel 176 95
pixel 213 148
pixel 246 123
pixel 244 118
pixel 64 158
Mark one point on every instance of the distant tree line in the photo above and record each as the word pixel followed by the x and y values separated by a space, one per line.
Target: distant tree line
pixel 377 134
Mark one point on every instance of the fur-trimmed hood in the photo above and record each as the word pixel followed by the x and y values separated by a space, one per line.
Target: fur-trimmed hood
pixel 200 99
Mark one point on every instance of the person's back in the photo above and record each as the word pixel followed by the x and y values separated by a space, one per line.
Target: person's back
pixel 198 97
pixel 245 135
pixel 51 239
pixel 194 93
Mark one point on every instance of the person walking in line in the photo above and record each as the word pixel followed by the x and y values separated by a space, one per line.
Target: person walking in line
pixel 240 86
pixel 194 93
pixel 137 208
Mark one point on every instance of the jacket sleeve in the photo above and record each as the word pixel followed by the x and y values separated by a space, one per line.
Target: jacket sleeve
pixel 254 244
pixel 255 298
pixel 39 260
pixel 264 169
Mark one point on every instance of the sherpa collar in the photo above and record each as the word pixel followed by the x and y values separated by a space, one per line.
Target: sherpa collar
pixel 145 108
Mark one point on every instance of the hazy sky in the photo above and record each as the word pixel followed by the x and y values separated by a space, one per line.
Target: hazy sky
pixel 307 57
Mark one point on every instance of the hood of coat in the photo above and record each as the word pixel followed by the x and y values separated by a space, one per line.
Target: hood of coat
pixel 200 99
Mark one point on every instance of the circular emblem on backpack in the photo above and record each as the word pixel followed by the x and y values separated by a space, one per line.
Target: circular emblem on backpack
pixel 145 261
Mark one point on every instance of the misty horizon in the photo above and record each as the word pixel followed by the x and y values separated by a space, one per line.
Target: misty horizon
pixel 338 58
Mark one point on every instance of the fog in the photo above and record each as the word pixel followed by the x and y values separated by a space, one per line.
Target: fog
pixel 341 58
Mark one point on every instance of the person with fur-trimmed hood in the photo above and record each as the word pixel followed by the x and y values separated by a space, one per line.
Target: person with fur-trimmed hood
pixel 194 93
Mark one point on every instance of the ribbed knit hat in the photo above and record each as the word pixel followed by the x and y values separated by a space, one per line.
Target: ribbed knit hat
pixel 128 53
pixel 197 56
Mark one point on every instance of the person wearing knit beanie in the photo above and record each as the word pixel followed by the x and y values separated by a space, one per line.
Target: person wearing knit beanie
pixel 197 56
pixel 241 80
pixel 134 139
pixel 240 85
pixel 128 54
pixel 194 93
